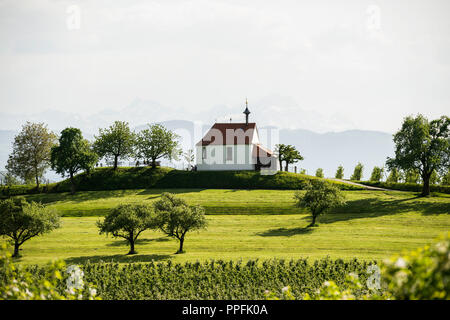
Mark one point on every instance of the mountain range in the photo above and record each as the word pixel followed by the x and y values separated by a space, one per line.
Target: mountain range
pixel 320 150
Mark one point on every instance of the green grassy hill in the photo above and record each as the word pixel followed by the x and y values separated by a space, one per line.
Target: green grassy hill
pixel 246 224
pixel 146 178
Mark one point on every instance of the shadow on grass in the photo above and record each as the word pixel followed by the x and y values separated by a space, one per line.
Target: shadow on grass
pixel 156 193
pixel 118 258
pixel 124 243
pixel 284 232
pixel 79 196
pixel 376 207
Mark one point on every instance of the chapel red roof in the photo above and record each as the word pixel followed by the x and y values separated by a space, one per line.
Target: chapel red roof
pixel 229 133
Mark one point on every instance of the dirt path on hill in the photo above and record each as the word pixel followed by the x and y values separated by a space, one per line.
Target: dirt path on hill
pixel 361 185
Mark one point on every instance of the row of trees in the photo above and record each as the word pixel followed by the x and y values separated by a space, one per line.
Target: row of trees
pixel 36 148
pixel 422 154
pixel 393 175
pixel 20 220
pixel 119 142
pixel 171 215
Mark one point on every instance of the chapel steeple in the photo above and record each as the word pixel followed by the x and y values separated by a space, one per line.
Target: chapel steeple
pixel 246 112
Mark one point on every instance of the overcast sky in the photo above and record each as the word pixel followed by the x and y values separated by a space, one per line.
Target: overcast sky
pixel 319 65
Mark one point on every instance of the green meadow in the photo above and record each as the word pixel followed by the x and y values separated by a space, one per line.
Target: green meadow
pixel 246 224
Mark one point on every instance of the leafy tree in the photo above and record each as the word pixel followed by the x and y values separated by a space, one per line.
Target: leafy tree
pixel 319 173
pixel 189 157
pixel 31 152
pixel 175 217
pixel 72 154
pixel 394 176
pixel 339 173
pixel 424 146
pixel 291 156
pixel 128 221
pixel 357 172
pixel 434 178
pixel 445 179
pixel 157 142
pixel 8 179
pixel 302 171
pixel 115 142
pixel 21 221
pixel 287 153
pixel 319 198
pixel 412 176
pixel 280 150
pixel 377 174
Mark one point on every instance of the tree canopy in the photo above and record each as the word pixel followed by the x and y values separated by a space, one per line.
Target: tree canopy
pixel 319 173
pixel 394 176
pixel 21 221
pixel 116 142
pixel 412 176
pixel 72 154
pixel 320 197
pixel 424 146
pixel 31 152
pixel 157 142
pixel 339 173
pixel 377 174
pixel 445 178
pixel 128 221
pixel 175 217
pixel 357 172
pixel 287 153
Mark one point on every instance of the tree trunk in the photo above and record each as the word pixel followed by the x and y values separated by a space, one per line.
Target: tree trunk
pixel 281 164
pixel 153 163
pixel 16 249
pixel 37 181
pixel 132 251
pixel 313 223
pixel 286 168
pixel 426 185
pixel 72 183
pixel 115 162
pixel 180 250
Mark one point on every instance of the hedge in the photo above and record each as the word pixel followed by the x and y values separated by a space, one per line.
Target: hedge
pixel 166 178
pixel 406 186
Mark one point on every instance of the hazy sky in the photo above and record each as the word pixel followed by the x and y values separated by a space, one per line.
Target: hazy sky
pixel 320 65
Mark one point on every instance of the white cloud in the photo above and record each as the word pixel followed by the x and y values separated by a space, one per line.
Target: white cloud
pixel 194 55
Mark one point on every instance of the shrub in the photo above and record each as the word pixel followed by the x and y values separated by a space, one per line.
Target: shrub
pixel 319 173
pixel 423 274
pixel 16 283
pixel 377 174
pixel 339 173
pixel 357 172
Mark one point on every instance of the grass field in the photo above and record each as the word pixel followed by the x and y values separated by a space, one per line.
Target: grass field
pixel 237 202
pixel 247 225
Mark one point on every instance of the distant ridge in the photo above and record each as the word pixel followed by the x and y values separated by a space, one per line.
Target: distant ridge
pixel 320 150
